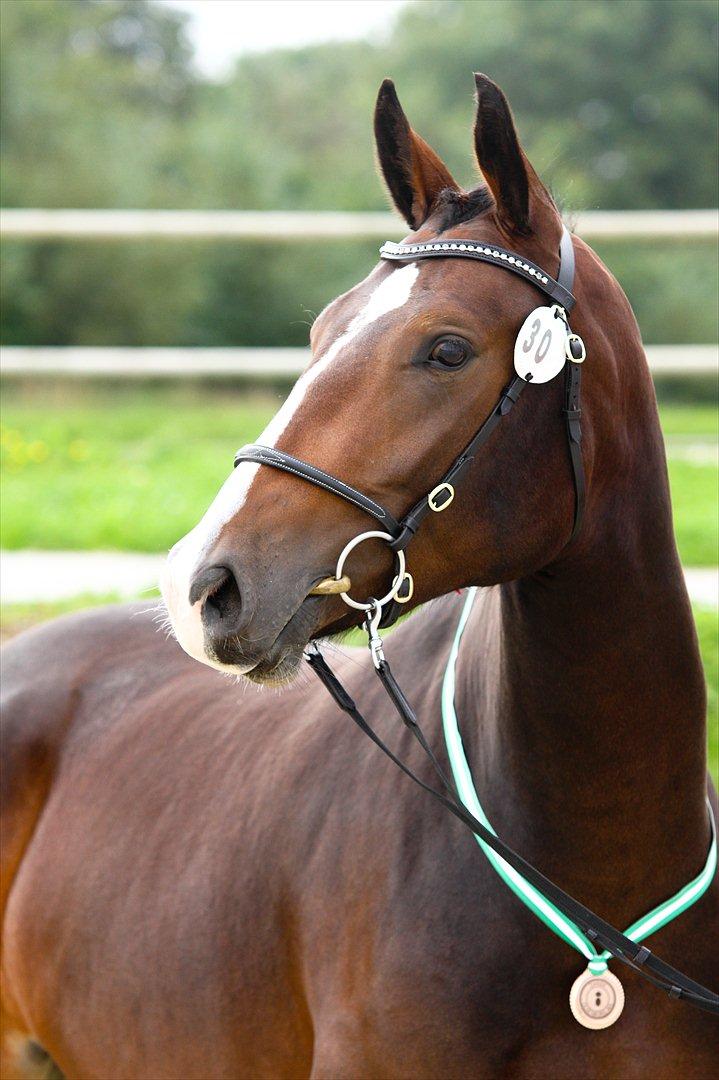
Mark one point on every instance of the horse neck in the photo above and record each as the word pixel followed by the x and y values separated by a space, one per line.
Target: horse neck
pixel 588 702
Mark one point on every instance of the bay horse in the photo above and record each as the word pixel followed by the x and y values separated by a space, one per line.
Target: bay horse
pixel 201 882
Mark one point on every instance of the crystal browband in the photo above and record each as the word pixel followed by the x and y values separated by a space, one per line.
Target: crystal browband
pixel 497 256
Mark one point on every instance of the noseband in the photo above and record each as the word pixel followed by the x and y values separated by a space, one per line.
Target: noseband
pixel 598 933
pixel 398 533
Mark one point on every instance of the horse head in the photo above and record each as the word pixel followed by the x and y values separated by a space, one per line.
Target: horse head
pixel 405 367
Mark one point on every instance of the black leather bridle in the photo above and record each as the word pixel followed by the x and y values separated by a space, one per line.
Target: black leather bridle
pixel 400 533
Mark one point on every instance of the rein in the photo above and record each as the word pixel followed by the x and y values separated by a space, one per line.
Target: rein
pixel 566 350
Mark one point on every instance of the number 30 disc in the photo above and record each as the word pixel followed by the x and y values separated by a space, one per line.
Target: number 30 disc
pixel 539 351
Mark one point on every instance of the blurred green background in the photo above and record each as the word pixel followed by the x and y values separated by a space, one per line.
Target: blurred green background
pixel 102 106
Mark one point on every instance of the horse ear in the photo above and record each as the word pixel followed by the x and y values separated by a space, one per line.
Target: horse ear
pixel 512 180
pixel 414 174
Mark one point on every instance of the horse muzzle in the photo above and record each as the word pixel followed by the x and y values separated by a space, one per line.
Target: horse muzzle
pixel 247 623
pixel 264 646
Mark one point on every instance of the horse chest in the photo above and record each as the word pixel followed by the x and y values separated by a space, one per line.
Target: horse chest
pixel 458 979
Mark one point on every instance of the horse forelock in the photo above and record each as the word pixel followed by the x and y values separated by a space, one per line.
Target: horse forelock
pixel 454 207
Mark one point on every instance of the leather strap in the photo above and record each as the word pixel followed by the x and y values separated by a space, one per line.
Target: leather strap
pixel 402 531
pixel 572 387
pixel 560 291
pixel 565 273
pixel 278 459
pixel 414 518
pixel 602 933
pixel 572 418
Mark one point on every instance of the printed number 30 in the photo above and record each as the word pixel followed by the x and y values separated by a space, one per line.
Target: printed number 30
pixel 545 342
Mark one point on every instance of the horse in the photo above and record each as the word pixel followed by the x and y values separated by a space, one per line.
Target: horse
pixel 200 881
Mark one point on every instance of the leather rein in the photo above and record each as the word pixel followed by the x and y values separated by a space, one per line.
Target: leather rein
pixel 398 534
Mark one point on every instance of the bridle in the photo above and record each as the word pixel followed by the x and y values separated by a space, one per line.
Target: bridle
pixel 399 532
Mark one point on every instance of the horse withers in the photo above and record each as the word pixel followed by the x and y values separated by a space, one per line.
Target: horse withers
pixel 201 882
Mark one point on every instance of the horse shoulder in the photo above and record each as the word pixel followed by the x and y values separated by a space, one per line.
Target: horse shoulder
pixel 48 672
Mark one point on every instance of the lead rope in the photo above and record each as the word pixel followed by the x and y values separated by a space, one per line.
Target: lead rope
pixel 599 933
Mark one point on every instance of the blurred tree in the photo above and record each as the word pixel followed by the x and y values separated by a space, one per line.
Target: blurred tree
pixel 100 107
pixel 616 102
pixel 95 97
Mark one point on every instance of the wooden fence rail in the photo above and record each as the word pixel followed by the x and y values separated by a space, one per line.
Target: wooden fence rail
pixel 39 224
pixel 268 363
pixel 28 224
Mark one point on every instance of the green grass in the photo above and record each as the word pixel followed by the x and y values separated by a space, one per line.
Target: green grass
pixel 708 629
pixel 132 473
pixel 17 617
pixel 135 468
pixel 695 501
pixel 699 420
pixel 14 618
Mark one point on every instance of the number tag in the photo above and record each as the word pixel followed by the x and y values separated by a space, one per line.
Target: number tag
pixel 539 351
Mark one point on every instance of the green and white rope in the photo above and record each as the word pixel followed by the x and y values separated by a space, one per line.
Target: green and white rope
pixel 543 908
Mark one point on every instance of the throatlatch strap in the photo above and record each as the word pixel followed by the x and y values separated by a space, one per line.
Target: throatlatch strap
pixel 602 933
pixel 572 417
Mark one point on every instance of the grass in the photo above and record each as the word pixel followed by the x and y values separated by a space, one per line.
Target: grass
pixel 135 468
pixel 133 472
pixel 708 629
pixel 695 500
pixel 14 618
pixel 17 617
pixel 699 420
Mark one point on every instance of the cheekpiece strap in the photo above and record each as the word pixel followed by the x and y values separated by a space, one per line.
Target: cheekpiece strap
pixel 413 519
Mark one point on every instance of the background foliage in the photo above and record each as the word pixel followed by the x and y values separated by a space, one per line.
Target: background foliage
pixel 101 107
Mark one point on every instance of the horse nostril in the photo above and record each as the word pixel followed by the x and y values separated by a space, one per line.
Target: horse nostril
pixel 217 588
pixel 207 581
pixel 221 608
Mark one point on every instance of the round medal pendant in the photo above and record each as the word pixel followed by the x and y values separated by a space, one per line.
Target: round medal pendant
pixel 596 1001
pixel 540 348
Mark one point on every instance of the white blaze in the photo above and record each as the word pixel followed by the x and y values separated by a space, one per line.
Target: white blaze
pixel 187 555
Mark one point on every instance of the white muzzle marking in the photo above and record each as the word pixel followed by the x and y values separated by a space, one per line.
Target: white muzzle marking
pixel 188 554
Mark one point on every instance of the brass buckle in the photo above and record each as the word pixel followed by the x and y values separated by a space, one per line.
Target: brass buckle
pixel 432 497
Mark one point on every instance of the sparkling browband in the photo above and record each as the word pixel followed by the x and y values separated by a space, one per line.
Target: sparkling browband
pixel 472 249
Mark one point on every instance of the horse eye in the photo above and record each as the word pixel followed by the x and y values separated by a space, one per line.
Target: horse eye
pixel 450 352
